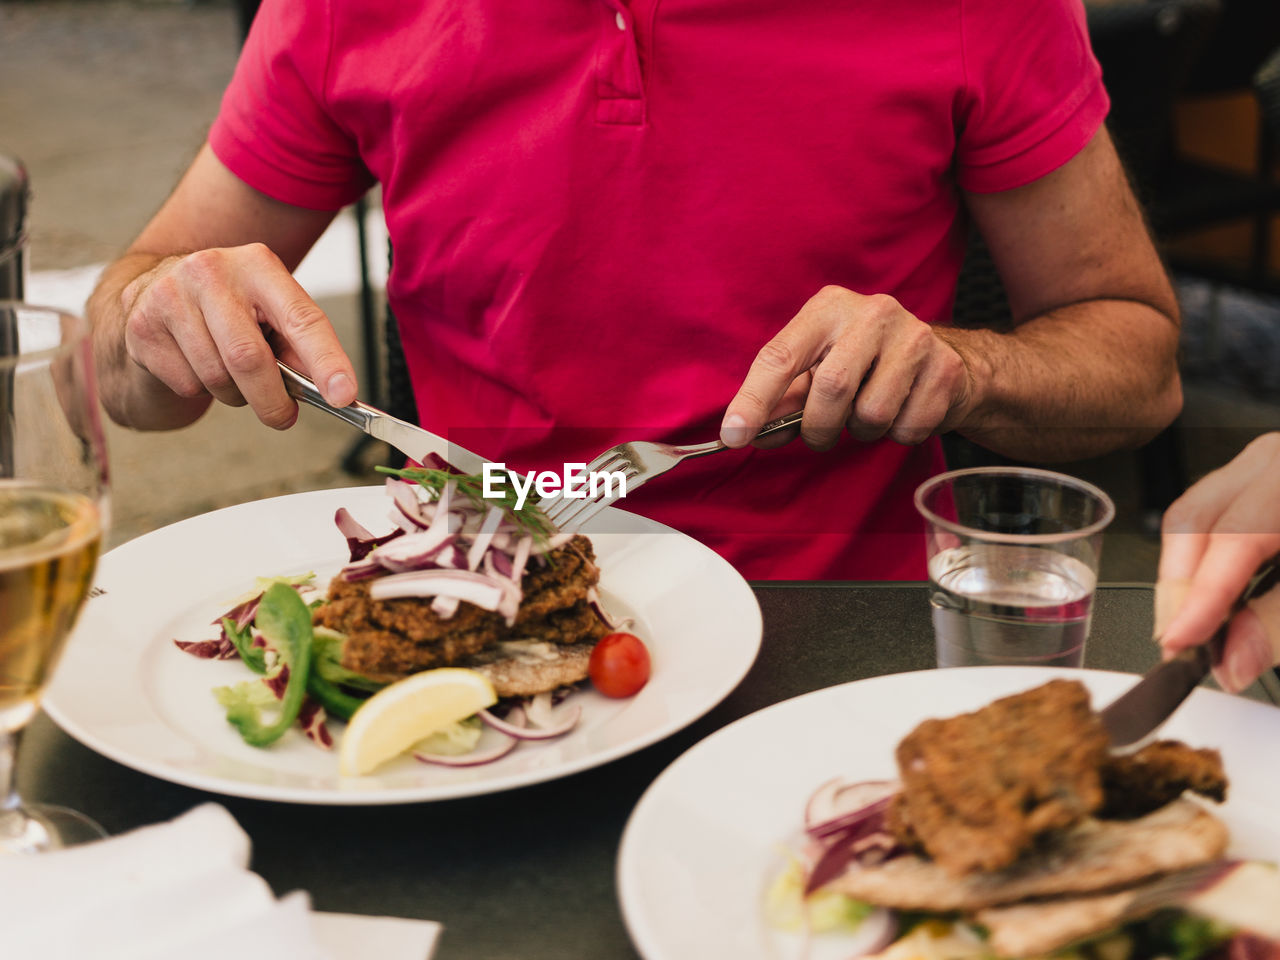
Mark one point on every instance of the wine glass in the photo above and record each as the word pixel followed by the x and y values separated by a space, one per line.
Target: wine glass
pixel 53 508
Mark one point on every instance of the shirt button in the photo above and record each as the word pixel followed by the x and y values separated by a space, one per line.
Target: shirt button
pixel 620 20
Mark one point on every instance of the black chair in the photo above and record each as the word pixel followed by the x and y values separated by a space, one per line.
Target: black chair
pixel 1149 51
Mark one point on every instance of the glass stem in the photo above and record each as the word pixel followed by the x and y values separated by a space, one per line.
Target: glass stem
pixel 9 799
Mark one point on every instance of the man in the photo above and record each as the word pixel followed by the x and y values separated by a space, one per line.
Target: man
pixel 605 215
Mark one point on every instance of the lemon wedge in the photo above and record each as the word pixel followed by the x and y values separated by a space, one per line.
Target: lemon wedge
pixel 398 716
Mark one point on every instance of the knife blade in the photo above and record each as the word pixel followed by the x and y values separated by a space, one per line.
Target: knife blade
pixel 414 442
pixel 1140 710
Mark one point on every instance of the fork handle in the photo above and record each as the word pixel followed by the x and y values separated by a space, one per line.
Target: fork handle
pixel 773 426
pixel 715 446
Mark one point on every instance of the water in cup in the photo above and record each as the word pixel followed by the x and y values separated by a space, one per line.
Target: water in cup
pixel 1009 603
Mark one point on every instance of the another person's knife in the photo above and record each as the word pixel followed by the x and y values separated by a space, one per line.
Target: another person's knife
pixel 414 442
pixel 1141 709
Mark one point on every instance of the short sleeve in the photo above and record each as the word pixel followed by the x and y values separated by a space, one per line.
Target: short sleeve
pixel 273 130
pixel 1033 93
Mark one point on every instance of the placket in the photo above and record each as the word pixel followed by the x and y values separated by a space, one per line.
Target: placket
pixel 619 85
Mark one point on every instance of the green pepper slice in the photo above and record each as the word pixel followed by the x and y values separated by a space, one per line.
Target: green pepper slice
pixel 285 623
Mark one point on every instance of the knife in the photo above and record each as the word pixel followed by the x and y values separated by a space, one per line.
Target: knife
pixel 414 442
pixel 1141 709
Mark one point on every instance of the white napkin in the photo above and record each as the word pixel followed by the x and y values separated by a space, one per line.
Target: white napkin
pixel 179 889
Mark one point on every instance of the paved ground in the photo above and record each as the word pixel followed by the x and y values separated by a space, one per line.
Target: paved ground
pixel 106 102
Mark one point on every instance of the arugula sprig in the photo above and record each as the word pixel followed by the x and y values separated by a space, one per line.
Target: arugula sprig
pixel 471 485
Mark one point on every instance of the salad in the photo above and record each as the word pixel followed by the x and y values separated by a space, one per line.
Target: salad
pixel 1015 833
pixel 500 609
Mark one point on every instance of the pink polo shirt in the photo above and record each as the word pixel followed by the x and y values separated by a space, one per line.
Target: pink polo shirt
pixel 600 211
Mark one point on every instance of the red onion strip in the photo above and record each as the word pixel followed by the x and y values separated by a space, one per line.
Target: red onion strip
pixel 563 726
pixel 476 588
pixel 485 535
pixel 469 759
pixel 473 759
pixel 837 804
pixel 877 931
pixel 349 527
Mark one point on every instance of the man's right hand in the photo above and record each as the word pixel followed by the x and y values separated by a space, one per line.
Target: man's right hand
pixel 213 322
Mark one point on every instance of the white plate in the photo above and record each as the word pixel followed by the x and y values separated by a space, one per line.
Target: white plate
pixel 124 690
pixel 701 845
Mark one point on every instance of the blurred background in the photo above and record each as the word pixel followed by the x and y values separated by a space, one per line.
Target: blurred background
pixel 103 103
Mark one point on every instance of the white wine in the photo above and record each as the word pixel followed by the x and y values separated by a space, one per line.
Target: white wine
pixel 998 603
pixel 49 542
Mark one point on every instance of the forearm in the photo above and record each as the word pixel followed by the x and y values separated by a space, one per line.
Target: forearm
pixel 130 394
pixel 1072 383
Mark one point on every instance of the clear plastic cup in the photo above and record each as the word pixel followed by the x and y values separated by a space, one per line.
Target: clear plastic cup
pixel 1013 564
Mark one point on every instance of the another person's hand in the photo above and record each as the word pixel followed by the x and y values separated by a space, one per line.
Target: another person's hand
pixel 851 361
pixel 213 322
pixel 1215 536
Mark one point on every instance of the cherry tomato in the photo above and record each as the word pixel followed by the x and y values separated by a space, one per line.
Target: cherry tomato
pixel 619 665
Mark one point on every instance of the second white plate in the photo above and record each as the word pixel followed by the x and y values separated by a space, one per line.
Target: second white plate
pixel 703 842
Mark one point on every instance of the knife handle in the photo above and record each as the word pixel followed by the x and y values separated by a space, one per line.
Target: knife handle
pixel 301 388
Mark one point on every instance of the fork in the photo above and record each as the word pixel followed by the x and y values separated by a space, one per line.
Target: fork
pixel 1230 891
pixel 639 462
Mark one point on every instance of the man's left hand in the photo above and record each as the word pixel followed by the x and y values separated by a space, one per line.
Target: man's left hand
pixel 852 361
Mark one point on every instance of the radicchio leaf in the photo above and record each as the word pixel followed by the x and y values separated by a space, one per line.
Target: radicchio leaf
pixel 220 649
pixel 312 717
pixel 278 681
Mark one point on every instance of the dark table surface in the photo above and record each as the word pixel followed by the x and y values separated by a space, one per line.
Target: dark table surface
pixel 529 874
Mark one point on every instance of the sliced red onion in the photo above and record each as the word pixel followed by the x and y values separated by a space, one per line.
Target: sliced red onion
pixel 876 848
pixel 445 607
pixel 847 847
pixel 501 563
pixel 509 607
pixel 831 863
pixel 407 503
pixel 484 592
pixel 350 527
pixel 821 805
pixel 413 550
pixel 877 931
pixel 850 818
pixel 440 517
pixel 483 537
pixel 868 819
pixel 359 540
pixel 838 805
pixel 521 558
pixel 603 615
pixel 515 721
pixel 362 570
pixel 472 759
pixel 445 501
pixel 540 708
pixel 433 461
pixel 563 726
